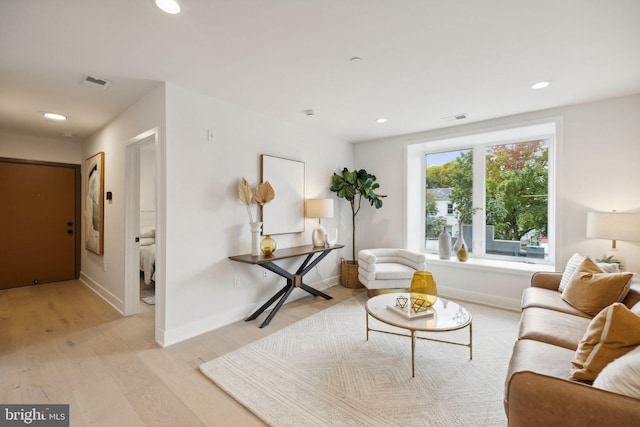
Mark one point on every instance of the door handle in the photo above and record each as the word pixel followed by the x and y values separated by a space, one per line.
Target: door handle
pixel 137 240
pixel 69 232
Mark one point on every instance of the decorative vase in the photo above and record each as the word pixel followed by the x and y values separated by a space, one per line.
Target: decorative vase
pixel 331 239
pixel 268 245
pixel 255 237
pixel 460 248
pixel 444 244
pixel 424 285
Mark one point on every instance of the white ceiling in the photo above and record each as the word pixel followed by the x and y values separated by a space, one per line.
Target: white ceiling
pixel 422 60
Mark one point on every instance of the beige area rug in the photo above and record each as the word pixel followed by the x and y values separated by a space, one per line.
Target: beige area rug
pixel 321 371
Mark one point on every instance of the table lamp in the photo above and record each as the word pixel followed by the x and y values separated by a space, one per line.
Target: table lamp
pixel 319 208
pixel 613 226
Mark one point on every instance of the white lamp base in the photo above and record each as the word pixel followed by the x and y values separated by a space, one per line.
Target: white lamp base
pixel 317 237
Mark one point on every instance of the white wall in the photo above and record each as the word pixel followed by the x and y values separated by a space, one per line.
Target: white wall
pixel 148 178
pixel 205 221
pixel 106 274
pixel 598 169
pixel 25 147
pixel 200 220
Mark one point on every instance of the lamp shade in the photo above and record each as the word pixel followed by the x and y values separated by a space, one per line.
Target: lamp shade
pixel 613 226
pixel 319 208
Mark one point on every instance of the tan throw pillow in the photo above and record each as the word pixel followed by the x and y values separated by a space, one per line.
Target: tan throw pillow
pixel 612 333
pixel 590 290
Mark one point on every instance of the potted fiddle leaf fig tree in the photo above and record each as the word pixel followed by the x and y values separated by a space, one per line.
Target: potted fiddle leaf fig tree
pixel 354 186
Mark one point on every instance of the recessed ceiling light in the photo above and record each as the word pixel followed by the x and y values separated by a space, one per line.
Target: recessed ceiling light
pixel 55 116
pixel 169 6
pixel 540 85
pixel 381 120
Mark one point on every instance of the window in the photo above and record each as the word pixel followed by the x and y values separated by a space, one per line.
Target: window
pixel 495 188
pixel 448 191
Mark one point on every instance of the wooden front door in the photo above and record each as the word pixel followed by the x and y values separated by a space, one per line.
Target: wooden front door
pixel 39 214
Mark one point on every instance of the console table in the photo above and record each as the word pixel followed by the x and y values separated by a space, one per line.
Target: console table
pixel 294 280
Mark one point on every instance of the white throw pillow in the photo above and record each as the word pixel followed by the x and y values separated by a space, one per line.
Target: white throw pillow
pixel 609 267
pixel 622 375
pixel 572 265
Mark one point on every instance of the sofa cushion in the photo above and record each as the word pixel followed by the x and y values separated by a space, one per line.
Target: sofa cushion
pixel 552 327
pixel 549 299
pixel 622 375
pixel 612 333
pixel 590 290
pixel 540 357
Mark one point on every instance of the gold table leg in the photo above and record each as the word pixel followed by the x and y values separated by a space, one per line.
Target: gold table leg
pixel 413 354
pixel 470 342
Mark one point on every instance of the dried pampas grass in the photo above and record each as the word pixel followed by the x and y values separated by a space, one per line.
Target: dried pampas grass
pixel 262 195
pixel 244 192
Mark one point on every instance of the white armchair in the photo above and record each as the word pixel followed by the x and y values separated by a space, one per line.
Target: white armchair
pixel 388 269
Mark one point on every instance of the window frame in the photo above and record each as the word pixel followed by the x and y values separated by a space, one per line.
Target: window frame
pixel 478 142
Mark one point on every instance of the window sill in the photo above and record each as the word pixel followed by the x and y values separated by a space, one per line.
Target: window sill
pixel 490 265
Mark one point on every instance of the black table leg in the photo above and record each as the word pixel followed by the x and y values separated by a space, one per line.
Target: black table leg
pixel 266 305
pixel 315 292
pixel 293 281
pixel 277 307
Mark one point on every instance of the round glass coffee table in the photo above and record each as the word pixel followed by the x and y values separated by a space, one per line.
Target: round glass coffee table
pixel 442 316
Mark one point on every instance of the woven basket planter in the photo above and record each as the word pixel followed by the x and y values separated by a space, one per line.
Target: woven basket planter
pixel 349 274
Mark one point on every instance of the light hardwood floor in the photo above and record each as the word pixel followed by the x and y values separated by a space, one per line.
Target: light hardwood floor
pixel 61 343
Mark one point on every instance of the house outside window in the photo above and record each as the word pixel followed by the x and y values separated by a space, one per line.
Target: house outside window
pixel 500 189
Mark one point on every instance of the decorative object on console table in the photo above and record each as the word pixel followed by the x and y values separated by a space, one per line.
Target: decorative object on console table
pixel 262 195
pixel 352 186
pixel 319 208
pixel 331 238
pixel 255 228
pixel 614 226
pixel 444 244
pixel 268 246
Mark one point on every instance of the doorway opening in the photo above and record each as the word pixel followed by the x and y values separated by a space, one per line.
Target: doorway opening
pixel 142 237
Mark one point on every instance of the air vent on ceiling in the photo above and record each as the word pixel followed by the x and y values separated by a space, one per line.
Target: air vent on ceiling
pixel 94 82
pixel 455 117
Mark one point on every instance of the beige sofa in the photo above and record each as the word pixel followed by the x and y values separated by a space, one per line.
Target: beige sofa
pixel 538 391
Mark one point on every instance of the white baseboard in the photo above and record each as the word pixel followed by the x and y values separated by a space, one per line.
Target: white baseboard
pixel 175 335
pixel 96 287
pixel 479 298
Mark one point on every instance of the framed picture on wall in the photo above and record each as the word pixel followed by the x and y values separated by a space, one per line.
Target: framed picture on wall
pixel 94 203
pixel 285 214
